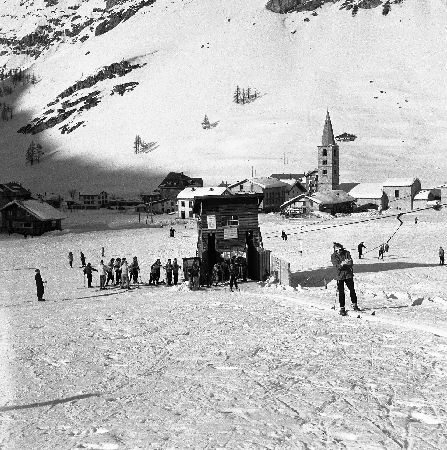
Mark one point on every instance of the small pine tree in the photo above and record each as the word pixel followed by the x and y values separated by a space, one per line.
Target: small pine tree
pixel 244 97
pixel 237 95
pixel 206 123
pixel 38 152
pixel 30 153
pixel 137 144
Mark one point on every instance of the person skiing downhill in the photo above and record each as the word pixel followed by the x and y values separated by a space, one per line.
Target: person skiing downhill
pixel 360 248
pixel 39 285
pixel 341 259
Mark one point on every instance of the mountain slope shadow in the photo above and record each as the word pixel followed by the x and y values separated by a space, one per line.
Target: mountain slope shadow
pixel 322 275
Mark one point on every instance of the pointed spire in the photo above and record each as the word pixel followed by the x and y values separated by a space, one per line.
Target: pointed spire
pixel 328 134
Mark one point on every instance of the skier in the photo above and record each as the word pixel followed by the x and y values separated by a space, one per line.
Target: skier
pixel 117 267
pixel 39 286
pixel 441 256
pixel 157 270
pixel 134 270
pixel 234 270
pixel 175 269
pixel 172 232
pixel 110 272
pixel 169 269
pixel 124 274
pixel 88 270
pixel 360 248
pixel 381 251
pixel 342 261
pixel 386 247
pixel 70 258
pixel 82 260
pixel 194 276
pixel 102 270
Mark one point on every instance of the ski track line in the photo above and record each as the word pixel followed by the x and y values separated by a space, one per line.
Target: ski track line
pixel 373 319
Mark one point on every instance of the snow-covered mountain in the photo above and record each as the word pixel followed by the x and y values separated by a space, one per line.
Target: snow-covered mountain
pixel 102 72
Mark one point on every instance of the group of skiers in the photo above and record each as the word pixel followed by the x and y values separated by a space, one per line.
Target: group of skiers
pixel 383 248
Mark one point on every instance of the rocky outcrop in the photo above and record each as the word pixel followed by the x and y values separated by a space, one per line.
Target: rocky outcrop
pixel 126 87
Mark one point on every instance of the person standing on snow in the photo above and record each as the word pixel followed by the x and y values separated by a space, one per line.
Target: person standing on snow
pixel 341 259
pixel 175 269
pixel 169 269
pixel 134 270
pixel 124 274
pixel 39 285
pixel 109 268
pixel 82 260
pixel 360 248
pixel 234 272
pixel 88 270
pixel 117 267
pixel 102 270
pixel 381 251
pixel 70 258
pixel 441 256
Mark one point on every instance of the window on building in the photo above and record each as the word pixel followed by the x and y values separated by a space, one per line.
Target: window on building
pixel 335 152
pixel 182 203
pixel 190 213
pixel 324 162
pixel 396 193
pixel 324 172
pixel 324 152
pixel 241 187
pixel 230 221
pixel 190 204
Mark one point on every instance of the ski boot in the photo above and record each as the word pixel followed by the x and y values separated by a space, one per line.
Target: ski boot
pixel 355 307
pixel 343 312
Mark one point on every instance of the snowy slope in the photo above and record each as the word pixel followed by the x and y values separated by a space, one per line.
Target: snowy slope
pixel 195 53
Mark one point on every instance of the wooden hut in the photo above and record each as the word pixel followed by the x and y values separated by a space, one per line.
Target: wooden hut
pixel 30 217
pixel 228 226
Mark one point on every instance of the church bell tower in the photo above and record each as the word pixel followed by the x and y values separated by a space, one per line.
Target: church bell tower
pixel 328 159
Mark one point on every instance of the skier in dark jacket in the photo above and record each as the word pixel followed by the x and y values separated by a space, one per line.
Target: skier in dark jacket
pixel 234 272
pixel 82 260
pixel 134 270
pixel 441 256
pixel 175 269
pixel 110 272
pixel 341 259
pixel 39 286
pixel 169 269
pixel 70 258
pixel 88 270
pixel 360 248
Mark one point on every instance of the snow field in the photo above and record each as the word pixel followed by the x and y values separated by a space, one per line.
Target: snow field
pixel 159 367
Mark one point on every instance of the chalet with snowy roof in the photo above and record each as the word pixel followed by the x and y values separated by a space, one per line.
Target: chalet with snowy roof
pixel 275 192
pixel 427 197
pixel 13 191
pixel 401 192
pixel 368 195
pixel 30 217
pixel 93 201
pixel 185 198
pixel 175 182
pixel 332 202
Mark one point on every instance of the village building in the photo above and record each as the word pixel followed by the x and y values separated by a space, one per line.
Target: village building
pixel 443 189
pixel 427 197
pixel 401 192
pixel 185 198
pixel 94 201
pixel 273 191
pixel 30 217
pixel 331 202
pixel 368 195
pixel 12 191
pixel 175 182
pixel 228 226
pixel 328 159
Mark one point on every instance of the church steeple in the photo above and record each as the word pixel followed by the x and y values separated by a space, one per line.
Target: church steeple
pixel 328 159
pixel 328 134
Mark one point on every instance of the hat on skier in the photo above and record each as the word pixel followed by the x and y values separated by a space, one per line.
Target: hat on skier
pixel 37 270
pixel 337 245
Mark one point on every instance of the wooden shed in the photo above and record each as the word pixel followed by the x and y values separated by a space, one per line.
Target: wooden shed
pixel 30 217
pixel 228 225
